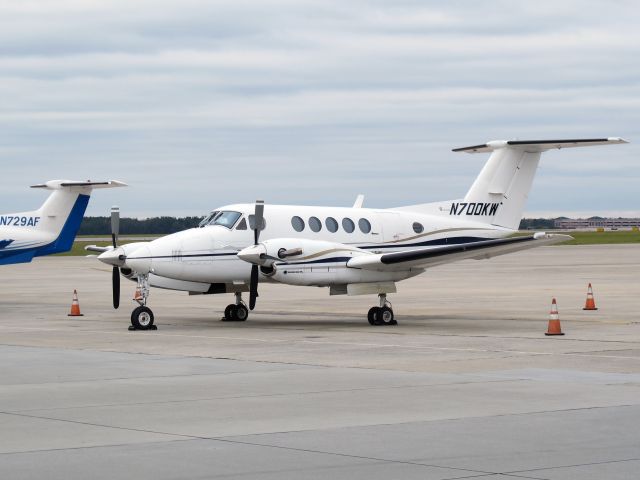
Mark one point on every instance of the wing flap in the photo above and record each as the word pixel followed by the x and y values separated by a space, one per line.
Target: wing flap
pixel 430 257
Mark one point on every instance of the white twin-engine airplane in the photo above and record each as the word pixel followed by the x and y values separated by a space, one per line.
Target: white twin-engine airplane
pixel 352 251
pixel 50 229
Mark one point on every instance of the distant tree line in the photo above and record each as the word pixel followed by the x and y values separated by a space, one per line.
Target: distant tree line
pixel 165 225
pixel 135 226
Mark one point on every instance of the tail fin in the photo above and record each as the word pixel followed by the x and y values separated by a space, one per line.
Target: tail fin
pixel 57 221
pixel 499 194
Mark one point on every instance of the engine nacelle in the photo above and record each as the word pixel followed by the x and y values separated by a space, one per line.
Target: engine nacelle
pixel 305 262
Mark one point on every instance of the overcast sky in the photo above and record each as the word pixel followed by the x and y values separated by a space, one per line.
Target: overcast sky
pixel 199 103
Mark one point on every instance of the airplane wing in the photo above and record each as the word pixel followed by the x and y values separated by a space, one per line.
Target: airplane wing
pixel 430 257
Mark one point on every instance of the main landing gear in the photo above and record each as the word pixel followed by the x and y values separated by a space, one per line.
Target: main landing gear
pixel 236 312
pixel 142 316
pixel 382 315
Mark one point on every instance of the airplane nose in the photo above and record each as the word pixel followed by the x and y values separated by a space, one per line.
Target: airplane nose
pixel 140 260
pixel 115 257
pixel 254 254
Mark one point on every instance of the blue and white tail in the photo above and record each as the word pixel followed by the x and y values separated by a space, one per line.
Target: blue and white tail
pixel 51 228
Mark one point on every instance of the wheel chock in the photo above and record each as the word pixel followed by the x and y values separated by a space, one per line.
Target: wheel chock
pixel 133 329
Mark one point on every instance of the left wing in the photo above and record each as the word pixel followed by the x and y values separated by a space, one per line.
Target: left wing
pixel 430 257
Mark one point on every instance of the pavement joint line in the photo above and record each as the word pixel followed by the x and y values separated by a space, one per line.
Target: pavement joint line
pixel 374 345
pixel 288 394
pixel 155 334
pixel 118 379
pixel 338 454
pixel 369 332
pixel 89 447
pixel 449 419
pixel 237 442
pixel 604 462
pixel 484 475
pixel 230 440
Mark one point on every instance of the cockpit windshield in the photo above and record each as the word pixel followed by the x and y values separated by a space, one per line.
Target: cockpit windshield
pixel 224 218
pixel 206 220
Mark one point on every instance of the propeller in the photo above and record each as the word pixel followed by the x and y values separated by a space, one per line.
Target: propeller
pixel 257 226
pixel 115 274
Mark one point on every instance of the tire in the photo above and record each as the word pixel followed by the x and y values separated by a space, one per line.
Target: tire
pixel 142 318
pixel 228 313
pixel 372 316
pixel 386 316
pixel 241 313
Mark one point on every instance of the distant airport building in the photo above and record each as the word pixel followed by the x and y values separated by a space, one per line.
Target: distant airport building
pixel 596 222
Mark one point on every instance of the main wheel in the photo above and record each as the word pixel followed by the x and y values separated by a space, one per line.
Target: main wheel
pixel 241 313
pixel 142 318
pixel 374 316
pixel 386 316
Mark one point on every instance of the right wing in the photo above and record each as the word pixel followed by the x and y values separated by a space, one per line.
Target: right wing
pixel 430 257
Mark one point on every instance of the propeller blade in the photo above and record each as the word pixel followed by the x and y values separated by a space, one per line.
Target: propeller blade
pixel 257 220
pixel 253 287
pixel 115 282
pixel 115 225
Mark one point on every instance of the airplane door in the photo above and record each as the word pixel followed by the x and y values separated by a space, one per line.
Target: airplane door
pixel 392 226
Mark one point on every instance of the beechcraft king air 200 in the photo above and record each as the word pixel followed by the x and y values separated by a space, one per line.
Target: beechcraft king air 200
pixel 50 229
pixel 352 251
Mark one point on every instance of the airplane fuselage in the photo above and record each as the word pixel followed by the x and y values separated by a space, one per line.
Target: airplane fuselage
pixel 208 254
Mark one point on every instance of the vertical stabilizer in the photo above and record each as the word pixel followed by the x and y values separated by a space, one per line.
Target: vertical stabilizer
pixel 499 194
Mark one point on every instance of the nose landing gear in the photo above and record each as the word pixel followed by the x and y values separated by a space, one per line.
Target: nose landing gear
pixel 142 316
pixel 382 315
pixel 236 312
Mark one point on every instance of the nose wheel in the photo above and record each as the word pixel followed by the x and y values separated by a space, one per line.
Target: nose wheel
pixel 382 315
pixel 236 312
pixel 142 316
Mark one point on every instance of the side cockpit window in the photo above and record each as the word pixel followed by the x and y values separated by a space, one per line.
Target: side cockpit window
pixel 242 224
pixel 252 223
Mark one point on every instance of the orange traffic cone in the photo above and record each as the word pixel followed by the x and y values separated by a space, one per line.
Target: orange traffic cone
pixel 75 306
pixel 590 303
pixel 554 320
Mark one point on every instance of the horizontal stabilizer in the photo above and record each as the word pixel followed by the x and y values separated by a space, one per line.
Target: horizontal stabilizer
pixel 539 145
pixel 58 184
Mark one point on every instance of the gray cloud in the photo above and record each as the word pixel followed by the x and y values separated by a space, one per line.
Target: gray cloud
pixel 200 103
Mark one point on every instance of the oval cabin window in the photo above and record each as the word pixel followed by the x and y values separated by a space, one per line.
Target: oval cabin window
pixel 315 224
pixel 365 226
pixel 332 224
pixel 348 225
pixel 297 223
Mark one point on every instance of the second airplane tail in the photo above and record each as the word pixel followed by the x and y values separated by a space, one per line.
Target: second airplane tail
pixel 61 214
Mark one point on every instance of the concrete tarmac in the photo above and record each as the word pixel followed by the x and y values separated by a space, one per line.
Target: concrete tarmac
pixel 466 386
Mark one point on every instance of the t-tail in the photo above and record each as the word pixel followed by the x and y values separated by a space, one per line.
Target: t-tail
pixel 53 227
pixel 499 194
